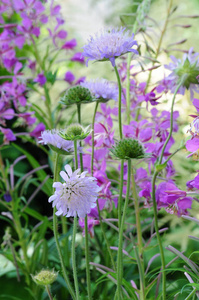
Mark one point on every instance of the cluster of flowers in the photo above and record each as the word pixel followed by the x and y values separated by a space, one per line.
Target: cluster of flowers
pixel 14 38
pixel 151 132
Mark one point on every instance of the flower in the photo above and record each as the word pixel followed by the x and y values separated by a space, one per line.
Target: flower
pixel 69 77
pixel 45 277
pixel 41 79
pixel 109 44
pixel 103 90
pixel 76 196
pixel 189 67
pixel 128 148
pixel 76 95
pixel 56 142
pixel 75 132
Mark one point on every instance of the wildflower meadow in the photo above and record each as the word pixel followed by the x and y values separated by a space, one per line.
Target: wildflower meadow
pixel 99 153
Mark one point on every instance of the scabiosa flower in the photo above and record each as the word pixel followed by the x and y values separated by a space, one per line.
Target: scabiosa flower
pixel 102 89
pixel 189 66
pixel 76 95
pixel 128 148
pixel 76 196
pixel 109 44
pixel 75 132
pixel 56 142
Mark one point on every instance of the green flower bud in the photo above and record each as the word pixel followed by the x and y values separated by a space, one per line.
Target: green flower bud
pixel 77 95
pixel 190 70
pixel 45 277
pixel 128 148
pixel 75 132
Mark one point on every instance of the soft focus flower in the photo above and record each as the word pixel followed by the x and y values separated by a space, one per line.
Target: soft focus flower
pixel 41 79
pixel 102 89
pixel 78 57
pixel 75 132
pixel 45 277
pixel 77 94
pixel 69 77
pixel 109 44
pixel 37 131
pixel 76 196
pixel 189 67
pixel 56 142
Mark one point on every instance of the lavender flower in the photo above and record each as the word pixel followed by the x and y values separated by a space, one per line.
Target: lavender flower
pixel 102 90
pixel 76 196
pixel 189 66
pixel 56 142
pixel 109 44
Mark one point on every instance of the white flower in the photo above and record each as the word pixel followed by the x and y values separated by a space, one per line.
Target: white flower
pixel 76 196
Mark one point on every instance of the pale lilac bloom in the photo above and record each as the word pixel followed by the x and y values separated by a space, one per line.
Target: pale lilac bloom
pixel 178 69
pixel 102 89
pixel 76 196
pixel 52 137
pixel 109 44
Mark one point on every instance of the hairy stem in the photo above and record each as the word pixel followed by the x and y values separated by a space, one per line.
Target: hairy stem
pixel 119 101
pixel 93 124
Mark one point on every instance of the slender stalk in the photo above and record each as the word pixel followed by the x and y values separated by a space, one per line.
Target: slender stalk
pixel 128 102
pixel 49 293
pixel 70 288
pixel 171 117
pixel 139 236
pixel 87 259
pixel 74 235
pixel 158 237
pixel 119 102
pixel 153 191
pixel 121 229
pixel 80 143
pixel 93 124
pixel 74 259
pixel 120 193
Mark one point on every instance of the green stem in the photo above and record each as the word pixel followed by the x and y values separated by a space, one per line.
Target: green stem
pixel 93 124
pixel 74 259
pixel 121 229
pixel 128 102
pixel 120 193
pixel 171 118
pixel 49 293
pixel 139 236
pixel 191 295
pixel 87 259
pixel 80 143
pixel 48 106
pixel 74 235
pixel 119 101
pixel 158 237
pixel 153 191
pixel 56 236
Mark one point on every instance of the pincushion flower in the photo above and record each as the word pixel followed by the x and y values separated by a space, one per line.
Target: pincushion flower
pixel 102 89
pixel 109 44
pixel 56 142
pixel 76 196
pixel 187 67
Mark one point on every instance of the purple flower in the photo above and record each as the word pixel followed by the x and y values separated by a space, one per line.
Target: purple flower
pixel 109 44
pixel 102 89
pixel 37 131
pixel 91 223
pixel 41 79
pixel 7 197
pixel 78 57
pixel 193 184
pixel 8 135
pixel 189 67
pixel 69 77
pixel 174 200
pixel 69 45
pixel 76 196
pixel 52 138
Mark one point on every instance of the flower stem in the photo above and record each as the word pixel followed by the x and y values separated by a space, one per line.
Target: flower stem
pixel 121 229
pixel 74 259
pixel 120 193
pixel 80 143
pixel 128 103
pixel 74 235
pixel 139 237
pixel 93 124
pixel 87 259
pixel 70 288
pixel 153 192
pixel 49 293
pixel 119 101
